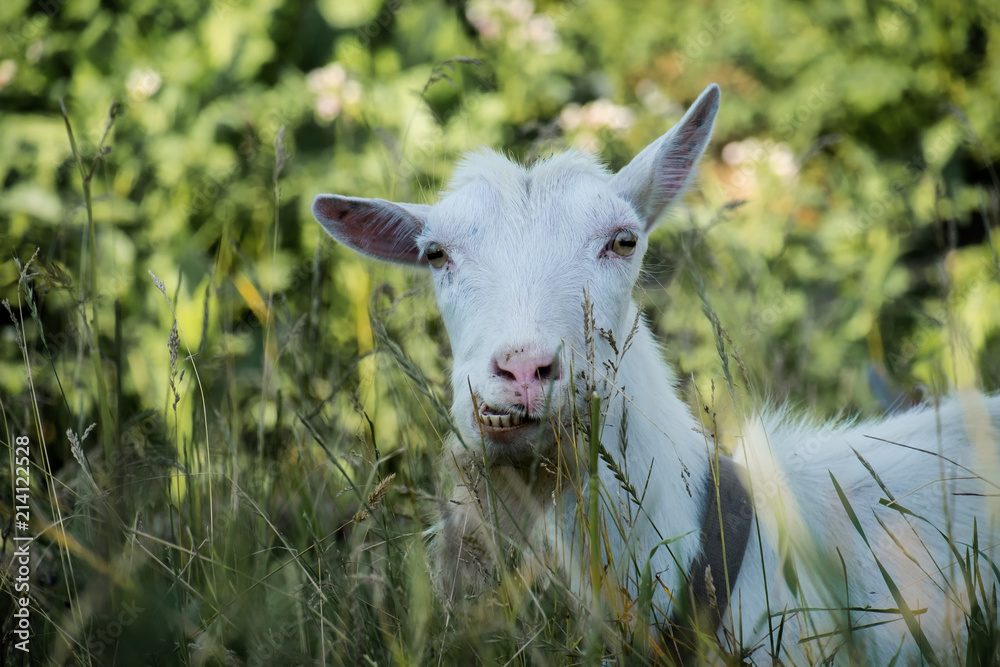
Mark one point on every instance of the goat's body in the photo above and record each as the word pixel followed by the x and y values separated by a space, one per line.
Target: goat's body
pixel 935 461
pixel 791 466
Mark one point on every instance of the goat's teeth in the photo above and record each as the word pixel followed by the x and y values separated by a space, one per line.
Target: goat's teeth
pixel 504 420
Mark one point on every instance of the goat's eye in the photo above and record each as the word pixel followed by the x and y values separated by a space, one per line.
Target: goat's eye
pixel 623 243
pixel 436 255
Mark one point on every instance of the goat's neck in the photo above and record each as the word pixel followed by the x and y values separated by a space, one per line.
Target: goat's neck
pixel 664 440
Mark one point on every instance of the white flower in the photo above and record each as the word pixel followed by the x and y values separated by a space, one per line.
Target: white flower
pixel 515 20
pixel 734 154
pixel 8 68
pixel 595 115
pixel 519 10
pixel 570 117
pixel 334 90
pixel 741 152
pixel 541 31
pixel 482 14
pixel 142 84
pixel 604 113
pixel 327 107
pixel 750 154
pixel 332 76
pixel 782 162
pixel 653 98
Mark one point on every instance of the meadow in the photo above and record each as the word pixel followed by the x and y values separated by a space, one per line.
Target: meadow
pixel 234 425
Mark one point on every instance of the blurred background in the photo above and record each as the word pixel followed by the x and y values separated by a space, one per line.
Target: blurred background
pixel 254 385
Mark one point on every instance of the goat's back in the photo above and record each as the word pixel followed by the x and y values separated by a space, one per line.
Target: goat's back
pixel 916 484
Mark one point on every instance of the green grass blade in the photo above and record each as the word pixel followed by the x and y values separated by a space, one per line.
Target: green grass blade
pixel 908 617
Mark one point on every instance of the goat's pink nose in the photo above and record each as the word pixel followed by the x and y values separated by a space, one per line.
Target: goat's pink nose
pixel 525 367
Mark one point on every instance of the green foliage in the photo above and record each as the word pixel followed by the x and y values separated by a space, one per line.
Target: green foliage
pixel 167 283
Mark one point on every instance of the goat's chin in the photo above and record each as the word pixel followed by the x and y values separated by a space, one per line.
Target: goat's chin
pixel 521 450
pixel 516 454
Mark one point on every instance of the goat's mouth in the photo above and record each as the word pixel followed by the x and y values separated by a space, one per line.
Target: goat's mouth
pixel 501 424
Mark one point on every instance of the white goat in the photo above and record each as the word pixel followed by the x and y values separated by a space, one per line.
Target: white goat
pixel 512 252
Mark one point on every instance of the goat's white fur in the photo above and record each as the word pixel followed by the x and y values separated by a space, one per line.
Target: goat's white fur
pixel 523 245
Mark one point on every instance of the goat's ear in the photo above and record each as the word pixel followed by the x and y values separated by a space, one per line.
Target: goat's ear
pixel 658 175
pixel 375 227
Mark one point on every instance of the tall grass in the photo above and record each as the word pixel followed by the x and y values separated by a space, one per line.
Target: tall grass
pixel 203 531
